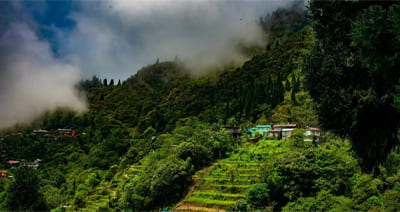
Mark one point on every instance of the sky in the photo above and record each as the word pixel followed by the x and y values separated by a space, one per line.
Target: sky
pixel 46 47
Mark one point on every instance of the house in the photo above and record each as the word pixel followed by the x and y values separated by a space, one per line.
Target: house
pixel 234 131
pixel 65 132
pixel 284 126
pixel 287 132
pixel 13 163
pixel 3 174
pixel 260 129
pixel 35 164
pixel 276 134
pixel 35 132
pixel 312 133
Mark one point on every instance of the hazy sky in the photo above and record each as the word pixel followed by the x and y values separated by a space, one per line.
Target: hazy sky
pixel 46 47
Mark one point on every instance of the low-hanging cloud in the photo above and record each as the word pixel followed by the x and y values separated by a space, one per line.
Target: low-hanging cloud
pixel 117 38
pixel 32 79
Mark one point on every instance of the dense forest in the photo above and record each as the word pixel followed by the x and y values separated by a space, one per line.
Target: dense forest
pixel 159 141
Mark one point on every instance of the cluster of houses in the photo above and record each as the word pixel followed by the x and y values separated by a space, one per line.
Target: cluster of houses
pixel 282 131
pixel 279 131
pixel 15 163
pixel 31 164
pixel 60 132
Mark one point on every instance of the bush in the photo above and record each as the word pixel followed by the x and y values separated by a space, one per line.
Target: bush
pixel 257 195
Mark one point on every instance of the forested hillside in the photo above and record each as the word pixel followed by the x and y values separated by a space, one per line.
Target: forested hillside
pixel 159 140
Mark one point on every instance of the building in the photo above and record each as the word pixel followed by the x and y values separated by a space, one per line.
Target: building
pixel 13 163
pixel 35 132
pixel 260 129
pixel 65 132
pixel 312 133
pixel 287 132
pixel 234 131
pixel 284 126
pixel 35 164
pixel 3 174
pixel 276 134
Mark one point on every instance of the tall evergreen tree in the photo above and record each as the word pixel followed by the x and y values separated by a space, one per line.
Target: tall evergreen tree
pixel 23 192
pixel 352 73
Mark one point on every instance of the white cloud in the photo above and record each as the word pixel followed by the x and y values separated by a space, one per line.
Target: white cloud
pixel 32 80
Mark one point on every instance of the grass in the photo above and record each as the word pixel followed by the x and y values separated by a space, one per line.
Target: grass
pixel 210 202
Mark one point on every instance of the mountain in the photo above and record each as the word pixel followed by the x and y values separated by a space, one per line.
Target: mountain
pixel 162 139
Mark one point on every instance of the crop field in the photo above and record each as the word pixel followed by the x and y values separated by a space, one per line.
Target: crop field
pixel 227 180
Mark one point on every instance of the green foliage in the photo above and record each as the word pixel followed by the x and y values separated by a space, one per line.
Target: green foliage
pixel 257 195
pixel 324 201
pixel 352 74
pixel 23 192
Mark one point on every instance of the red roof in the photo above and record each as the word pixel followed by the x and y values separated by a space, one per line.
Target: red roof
pixel 3 171
pixel 274 131
pixel 13 162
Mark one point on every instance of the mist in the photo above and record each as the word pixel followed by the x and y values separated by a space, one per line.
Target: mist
pixel 114 39
pixel 43 54
pixel 32 80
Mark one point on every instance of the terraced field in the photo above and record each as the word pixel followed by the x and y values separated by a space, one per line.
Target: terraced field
pixel 227 180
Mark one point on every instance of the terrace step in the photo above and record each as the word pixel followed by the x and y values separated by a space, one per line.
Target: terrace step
pixel 213 203
pixel 191 207
pixel 218 196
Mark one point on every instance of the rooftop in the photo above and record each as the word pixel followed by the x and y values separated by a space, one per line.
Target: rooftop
pixel 13 162
pixel 65 130
pixel 285 126
pixel 288 129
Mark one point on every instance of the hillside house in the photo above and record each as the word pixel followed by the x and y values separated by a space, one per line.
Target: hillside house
pixel 3 174
pixel 13 163
pixel 35 164
pixel 42 132
pixel 287 132
pixel 260 129
pixel 275 134
pixel 284 126
pixel 65 132
pixel 234 131
pixel 312 133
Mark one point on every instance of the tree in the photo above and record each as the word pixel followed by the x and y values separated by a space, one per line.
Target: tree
pixel 258 195
pixel 112 82
pixel 23 192
pixel 352 74
pixel 104 82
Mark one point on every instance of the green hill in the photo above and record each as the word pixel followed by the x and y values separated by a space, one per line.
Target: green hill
pixel 157 141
